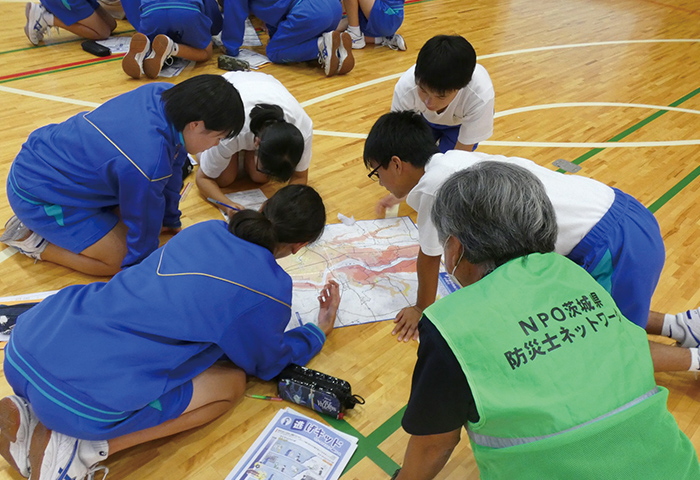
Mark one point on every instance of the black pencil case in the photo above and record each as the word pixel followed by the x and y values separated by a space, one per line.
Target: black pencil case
pixel 315 390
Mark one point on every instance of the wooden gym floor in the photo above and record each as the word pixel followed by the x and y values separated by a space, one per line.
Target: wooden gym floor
pixel 610 85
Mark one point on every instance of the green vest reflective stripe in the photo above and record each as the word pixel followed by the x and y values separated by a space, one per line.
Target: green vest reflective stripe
pixel 551 364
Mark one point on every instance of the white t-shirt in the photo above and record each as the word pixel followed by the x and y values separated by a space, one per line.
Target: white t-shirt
pixel 472 108
pixel 579 202
pixel 254 88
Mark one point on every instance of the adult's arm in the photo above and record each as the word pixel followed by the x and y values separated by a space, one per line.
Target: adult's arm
pixel 426 455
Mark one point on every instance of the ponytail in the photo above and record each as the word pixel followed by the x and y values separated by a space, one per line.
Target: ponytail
pixel 263 115
pixel 295 214
pixel 253 227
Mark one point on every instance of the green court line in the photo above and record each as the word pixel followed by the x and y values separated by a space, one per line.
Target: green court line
pixel 369 446
pixel 676 188
pixel 34 47
pixel 61 70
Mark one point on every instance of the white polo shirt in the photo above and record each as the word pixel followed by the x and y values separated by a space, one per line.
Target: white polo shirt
pixel 579 202
pixel 255 88
pixel 472 108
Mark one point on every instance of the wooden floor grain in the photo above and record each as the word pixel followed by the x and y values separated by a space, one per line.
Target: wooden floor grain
pixel 589 72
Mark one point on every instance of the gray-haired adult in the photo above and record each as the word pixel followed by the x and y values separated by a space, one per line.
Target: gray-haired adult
pixel 531 355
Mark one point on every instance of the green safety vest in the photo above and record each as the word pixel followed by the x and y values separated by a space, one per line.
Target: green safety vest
pixel 563 383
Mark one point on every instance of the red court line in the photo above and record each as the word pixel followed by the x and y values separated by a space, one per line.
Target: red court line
pixel 58 67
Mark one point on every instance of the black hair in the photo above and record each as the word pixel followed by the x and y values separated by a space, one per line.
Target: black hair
pixel 208 98
pixel 404 134
pixel 294 214
pixel 281 143
pixel 445 62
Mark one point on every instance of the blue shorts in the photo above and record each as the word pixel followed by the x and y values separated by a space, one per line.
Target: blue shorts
pixel 83 417
pixel 72 228
pixel 625 253
pixel 446 136
pixel 184 24
pixel 71 11
pixel 384 19
pixel 295 38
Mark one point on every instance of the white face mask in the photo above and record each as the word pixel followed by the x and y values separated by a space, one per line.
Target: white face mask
pixel 451 276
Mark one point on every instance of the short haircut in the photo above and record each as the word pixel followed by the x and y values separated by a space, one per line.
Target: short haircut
pixel 498 211
pixel 294 214
pixel 445 62
pixel 403 134
pixel 207 98
pixel 281 143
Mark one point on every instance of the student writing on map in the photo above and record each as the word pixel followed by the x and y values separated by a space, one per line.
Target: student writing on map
pixel 164 346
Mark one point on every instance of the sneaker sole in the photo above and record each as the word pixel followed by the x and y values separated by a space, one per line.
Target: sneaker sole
pixel 9 426
pixel 137 50
pixel 347 61
pixel 27 9
pixel 153 65
pixel 333 61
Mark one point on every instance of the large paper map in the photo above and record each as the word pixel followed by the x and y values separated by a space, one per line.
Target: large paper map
pixel 374 261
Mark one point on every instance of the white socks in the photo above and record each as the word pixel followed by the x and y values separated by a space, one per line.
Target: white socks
pixel 683 327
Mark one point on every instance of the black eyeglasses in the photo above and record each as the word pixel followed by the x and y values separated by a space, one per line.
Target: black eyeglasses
pixel 374 174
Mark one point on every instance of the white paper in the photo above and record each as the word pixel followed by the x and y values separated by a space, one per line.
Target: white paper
pixel 295 447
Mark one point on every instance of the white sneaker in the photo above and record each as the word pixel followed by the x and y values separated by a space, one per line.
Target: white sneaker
pixel 328 45
pixel 132 63
pixel 162 48
pixel 347 61
pixel 56 456
pixel 685 329
pixel 358 41
pixel 395 42
pixel 32 245
pixel 36 26
pixel 17 423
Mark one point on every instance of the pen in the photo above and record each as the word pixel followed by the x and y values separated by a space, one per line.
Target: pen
pixel 264 397
pixel 223 204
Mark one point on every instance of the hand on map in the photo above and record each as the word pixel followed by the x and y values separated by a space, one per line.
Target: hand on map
pixel 387 201
pixel 407 324
pixel 329 300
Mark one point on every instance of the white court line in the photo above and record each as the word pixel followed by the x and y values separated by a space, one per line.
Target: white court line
pixel 28 296
pixel 362 85
pixel 44 96
pixel 499 143
pixel 532 108
pixel 7 253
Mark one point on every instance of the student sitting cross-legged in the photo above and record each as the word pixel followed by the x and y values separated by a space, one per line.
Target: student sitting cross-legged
pixel 164 346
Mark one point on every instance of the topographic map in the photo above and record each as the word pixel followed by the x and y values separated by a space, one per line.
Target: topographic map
pixel 373 261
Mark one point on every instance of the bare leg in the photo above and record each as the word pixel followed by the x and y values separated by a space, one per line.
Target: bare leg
pixel 656 321
pixel 97 26
pixel 215 391
pixel 103 258
pixel 196 54
pixel 668 358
